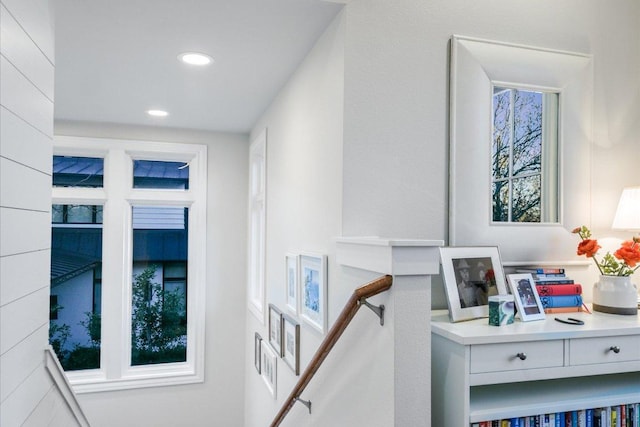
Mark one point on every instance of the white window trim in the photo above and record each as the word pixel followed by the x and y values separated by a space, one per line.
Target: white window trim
pixel 256 295
pixel 115 373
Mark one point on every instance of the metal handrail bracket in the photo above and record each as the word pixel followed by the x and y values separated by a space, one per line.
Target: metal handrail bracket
pixel 377 309
pixel 357 299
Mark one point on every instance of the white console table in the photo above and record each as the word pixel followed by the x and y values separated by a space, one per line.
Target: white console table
pixel 482 372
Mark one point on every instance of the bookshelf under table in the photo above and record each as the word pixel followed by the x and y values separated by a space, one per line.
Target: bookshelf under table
pixel 482 372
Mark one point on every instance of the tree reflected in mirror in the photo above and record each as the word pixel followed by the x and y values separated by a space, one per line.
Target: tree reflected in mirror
pixel 522 133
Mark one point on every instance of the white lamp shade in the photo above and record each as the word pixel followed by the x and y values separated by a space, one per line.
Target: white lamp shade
pixel 628 212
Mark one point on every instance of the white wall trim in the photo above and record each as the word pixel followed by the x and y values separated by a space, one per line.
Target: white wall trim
pixel 389 256
pixel 64 386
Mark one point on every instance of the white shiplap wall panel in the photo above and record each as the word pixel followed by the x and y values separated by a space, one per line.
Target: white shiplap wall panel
pixel 51 411
pixel 39 195
pixel 22 318
pixel 46 411
pixel 21 97
pixel 62 416
pixel 23 231
pixel 19 141
pixel 20 362
pixel 19 277
pixel 36 17
pixel 23 53
pixel 17 408
pixel 26 132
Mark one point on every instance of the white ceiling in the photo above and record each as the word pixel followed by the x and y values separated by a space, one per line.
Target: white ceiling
pixel 115 59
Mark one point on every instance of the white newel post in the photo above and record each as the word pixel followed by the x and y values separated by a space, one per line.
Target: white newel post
pixel 411 263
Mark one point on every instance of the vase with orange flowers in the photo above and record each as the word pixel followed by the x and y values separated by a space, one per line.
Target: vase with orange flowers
pixel 613 293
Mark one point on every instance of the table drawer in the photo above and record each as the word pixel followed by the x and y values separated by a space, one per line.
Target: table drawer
pixel 587 351
pixel 515 356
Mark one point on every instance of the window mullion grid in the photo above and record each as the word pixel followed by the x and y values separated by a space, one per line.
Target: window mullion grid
pixel 512 125
pixel 117 197
pixel 116 264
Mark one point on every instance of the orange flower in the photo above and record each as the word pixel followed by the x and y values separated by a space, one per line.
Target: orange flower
pixel 629 252
pixel 588 247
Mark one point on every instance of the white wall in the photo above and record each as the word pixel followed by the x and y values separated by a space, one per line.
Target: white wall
pixel 27 392
pixel 395 142
pixel 396 104
pixel 219 400
pixel 616 156
pixel 304 213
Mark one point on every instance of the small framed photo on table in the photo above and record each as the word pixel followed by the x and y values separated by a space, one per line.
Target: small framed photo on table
pixel 524 291
pixel 471 275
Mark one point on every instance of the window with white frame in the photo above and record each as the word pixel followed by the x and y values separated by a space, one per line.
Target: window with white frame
pixel 257 214
pixel 127 264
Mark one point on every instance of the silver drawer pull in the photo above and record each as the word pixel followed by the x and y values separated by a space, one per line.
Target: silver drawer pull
pixel 615 349
pixel 523 356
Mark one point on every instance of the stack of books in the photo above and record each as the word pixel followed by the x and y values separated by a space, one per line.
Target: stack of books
pixel 558 292
pixel 610 416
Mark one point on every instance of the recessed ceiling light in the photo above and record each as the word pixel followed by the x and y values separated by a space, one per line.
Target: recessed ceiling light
pixel 194 58
pixel 157 113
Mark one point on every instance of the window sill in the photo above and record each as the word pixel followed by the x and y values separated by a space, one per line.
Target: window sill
pixel 95 381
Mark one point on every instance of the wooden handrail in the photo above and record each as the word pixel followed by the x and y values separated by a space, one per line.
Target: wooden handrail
pixel 348 312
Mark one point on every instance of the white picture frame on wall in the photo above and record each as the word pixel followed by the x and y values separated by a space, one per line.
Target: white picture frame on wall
pixel 291 343
pixel 476 66
pixel 291 280
pixel 313 290
pixel 275 328
pixel 269 368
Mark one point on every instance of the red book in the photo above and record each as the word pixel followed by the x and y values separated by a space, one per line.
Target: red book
pixel 563 289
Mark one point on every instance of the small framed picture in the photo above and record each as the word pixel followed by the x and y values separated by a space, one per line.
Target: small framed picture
pixel 526 295
pixel 313 286
pixel 291 282
pixel 269 370
pixel 257 352
pixel 471 275
pixel 291 343
pixel 275 329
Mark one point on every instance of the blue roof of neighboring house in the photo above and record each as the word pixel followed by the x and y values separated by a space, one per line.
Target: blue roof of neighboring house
pixel 94 167
pixel 78 165
pixel 67 265
pixel 153 169
pixel 76 250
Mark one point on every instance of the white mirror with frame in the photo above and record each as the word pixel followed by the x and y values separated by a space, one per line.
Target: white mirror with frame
pixel 537 202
